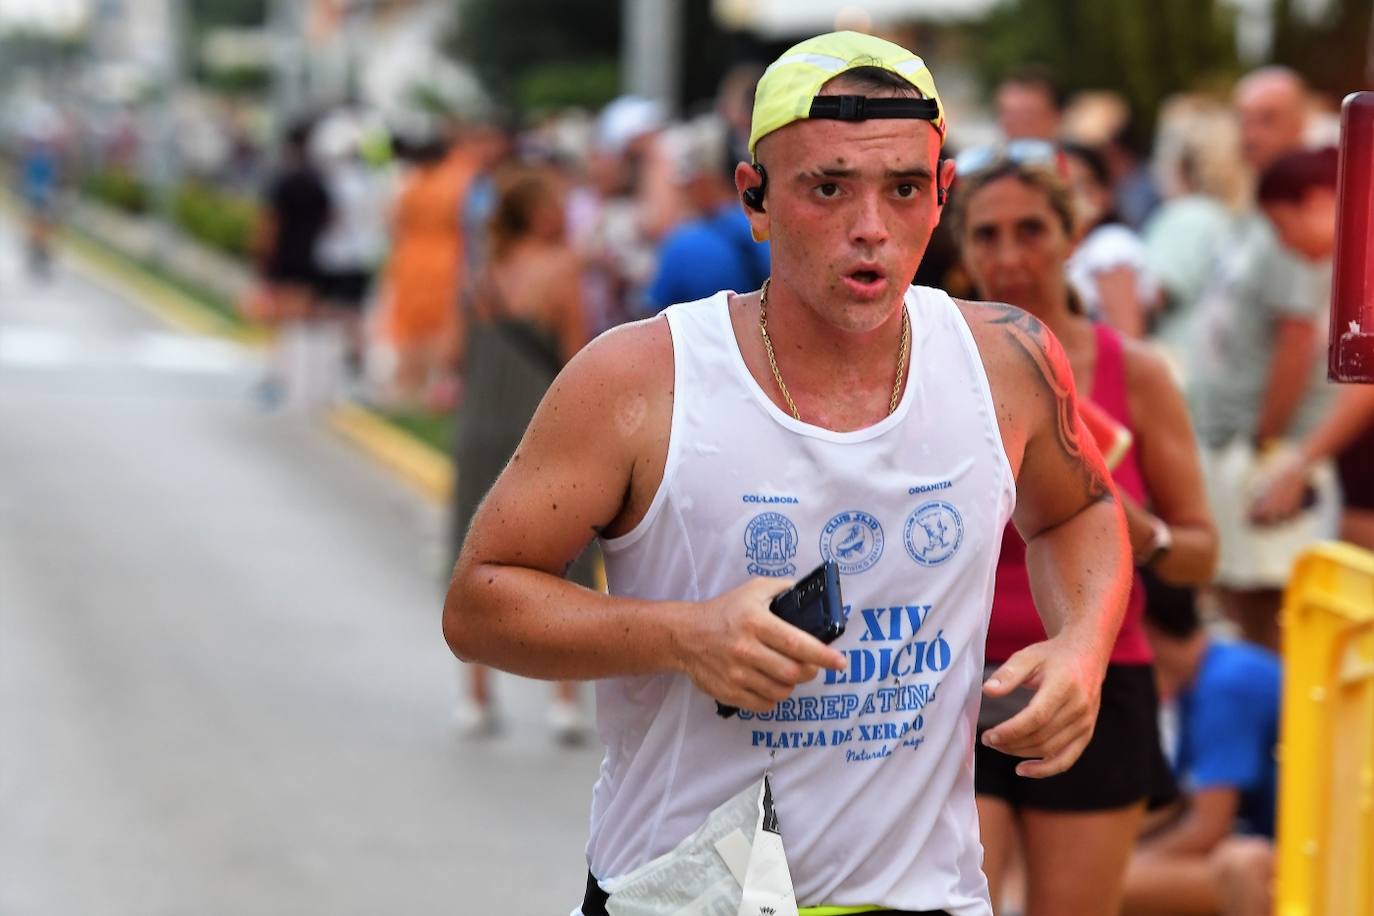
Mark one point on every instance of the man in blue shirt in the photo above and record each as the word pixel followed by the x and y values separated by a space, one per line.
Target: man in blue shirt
pixel 1226 695
pixel 715 251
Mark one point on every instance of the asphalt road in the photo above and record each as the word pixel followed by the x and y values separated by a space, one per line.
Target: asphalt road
pixel 223 688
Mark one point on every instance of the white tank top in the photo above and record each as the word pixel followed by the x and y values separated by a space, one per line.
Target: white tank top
pixel 872 768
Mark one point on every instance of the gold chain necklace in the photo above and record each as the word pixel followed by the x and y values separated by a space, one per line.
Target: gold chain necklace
pixel 777 374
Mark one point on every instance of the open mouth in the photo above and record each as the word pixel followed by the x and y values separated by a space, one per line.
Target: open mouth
pixel 866 281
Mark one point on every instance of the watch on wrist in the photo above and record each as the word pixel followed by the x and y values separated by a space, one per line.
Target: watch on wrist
pixel 1161 540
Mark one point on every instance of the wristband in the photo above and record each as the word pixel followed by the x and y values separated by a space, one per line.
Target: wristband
pixel 1161 541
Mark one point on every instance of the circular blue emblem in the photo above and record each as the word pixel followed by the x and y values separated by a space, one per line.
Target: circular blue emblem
pixel 933 532
pixel 770 543
pixel 852 539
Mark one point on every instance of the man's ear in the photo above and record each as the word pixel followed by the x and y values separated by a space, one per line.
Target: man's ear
pixel 752 183
pixel 944 181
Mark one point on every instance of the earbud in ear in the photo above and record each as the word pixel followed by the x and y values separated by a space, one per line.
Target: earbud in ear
pixel 753 197
pixel 941 194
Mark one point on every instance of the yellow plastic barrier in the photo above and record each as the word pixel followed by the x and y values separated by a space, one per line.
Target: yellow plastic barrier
pixel 1326 756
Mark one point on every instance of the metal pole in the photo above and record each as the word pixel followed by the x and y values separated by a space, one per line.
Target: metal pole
pixel 651 49
pixel 167 162
pixel 286 61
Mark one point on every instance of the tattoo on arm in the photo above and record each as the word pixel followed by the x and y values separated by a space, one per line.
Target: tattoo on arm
pixel 1052 367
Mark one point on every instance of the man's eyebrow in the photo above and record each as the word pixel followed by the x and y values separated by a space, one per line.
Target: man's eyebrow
pixel 827 171
pixel 916 172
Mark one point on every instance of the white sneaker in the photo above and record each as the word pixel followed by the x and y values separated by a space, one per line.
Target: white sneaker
pixel 475 720
pixel 567 723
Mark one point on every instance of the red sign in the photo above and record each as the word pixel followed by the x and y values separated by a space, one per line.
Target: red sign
pixel 1351 355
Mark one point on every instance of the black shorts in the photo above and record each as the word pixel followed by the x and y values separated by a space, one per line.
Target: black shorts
pixel 1122 764
pixel 345 288
pixel 282 270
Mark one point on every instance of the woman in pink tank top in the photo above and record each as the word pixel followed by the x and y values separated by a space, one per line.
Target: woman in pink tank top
pixel 1015 220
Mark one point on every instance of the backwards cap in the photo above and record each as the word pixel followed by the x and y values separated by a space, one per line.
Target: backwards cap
pixel 787 91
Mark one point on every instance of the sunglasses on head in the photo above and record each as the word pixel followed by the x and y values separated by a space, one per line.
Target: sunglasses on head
pixel 1018 152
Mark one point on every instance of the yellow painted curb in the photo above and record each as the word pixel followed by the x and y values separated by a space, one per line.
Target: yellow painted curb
pixel 424 468
pixel 164 302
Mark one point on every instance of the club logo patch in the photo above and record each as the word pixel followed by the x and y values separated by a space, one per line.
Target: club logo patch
pixel 770 543
pixel 854 540
pixel 933 533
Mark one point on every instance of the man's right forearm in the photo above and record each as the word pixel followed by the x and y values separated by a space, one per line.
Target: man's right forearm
pixel 1289 371
pixel 537 624
pixel 1080 574
pixel 1347 418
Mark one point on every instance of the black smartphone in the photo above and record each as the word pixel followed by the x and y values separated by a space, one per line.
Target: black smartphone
pixel 813 604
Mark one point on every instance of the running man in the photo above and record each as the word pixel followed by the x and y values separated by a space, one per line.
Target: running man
pixel 728 446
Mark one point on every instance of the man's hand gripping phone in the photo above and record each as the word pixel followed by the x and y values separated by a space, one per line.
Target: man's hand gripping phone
pixel 750 647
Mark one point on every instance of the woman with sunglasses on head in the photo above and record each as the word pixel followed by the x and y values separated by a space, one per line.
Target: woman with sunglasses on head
pixel 1014 217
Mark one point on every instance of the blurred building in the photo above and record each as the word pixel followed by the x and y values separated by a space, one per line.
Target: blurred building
pixel 783 18
pixel 133 45
pixel 383 55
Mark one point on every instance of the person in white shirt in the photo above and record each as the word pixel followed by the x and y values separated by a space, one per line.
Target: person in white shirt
pixel 726 447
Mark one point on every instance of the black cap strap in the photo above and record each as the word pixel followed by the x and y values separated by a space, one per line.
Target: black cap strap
pixel 863 108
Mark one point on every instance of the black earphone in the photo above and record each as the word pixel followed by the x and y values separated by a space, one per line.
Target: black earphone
pixel 753 197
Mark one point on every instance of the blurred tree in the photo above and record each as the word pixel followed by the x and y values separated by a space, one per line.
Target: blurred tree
pixel 585 84
pixel 27 49
pixel 207 14
pixel 714 50
pixel 1145 51
pixel 250 79
pixel 1330 43
pixel 203 16
pixel 541 53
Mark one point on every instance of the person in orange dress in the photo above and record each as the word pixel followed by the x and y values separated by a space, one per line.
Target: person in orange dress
pixel 419 308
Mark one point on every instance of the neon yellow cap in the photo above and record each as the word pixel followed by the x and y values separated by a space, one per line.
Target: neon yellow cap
pixel 789 86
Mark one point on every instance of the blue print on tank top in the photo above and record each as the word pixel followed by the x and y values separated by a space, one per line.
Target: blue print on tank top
pixel 933 532
pixel 770 543
pixel 854 540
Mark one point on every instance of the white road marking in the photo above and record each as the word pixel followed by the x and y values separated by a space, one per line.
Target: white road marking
pixel 153 351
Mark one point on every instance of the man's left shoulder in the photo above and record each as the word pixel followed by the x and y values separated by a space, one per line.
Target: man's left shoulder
pixel 1006 336
pixel 1024 366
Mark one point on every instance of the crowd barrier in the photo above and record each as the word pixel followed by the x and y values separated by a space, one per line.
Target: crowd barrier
pixel 1325 854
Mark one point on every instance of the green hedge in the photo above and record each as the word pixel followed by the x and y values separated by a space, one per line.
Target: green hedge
pixel 568 84
pixel 119 189
pixel 222 221
pixel 433 429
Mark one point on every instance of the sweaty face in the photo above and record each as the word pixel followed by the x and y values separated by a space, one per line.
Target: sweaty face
pixel 850 209
pixel 1014 245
